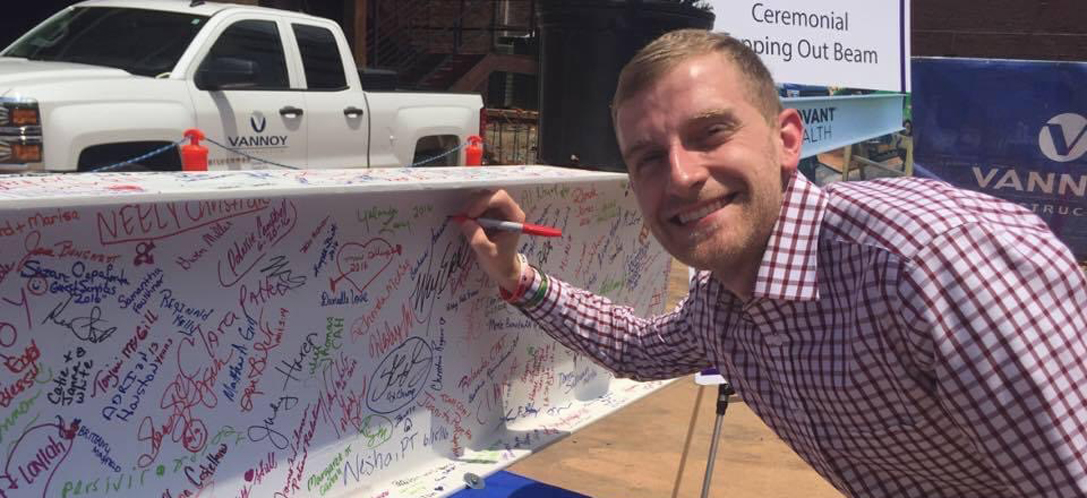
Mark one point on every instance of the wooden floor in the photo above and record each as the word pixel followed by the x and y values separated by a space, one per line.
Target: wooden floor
pixel 636 452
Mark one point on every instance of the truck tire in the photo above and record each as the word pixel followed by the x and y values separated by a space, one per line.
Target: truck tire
pixel 105 155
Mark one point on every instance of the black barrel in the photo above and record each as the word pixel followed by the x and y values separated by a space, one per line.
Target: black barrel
pixel 583 46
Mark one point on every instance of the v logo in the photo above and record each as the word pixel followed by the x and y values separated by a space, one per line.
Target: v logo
pixel 258 126
pixel 1056 133
pixel 1062 138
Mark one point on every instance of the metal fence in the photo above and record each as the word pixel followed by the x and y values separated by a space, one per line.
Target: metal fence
pixel 511 136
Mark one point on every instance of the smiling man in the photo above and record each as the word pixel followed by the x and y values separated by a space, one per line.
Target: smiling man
pixel 904 337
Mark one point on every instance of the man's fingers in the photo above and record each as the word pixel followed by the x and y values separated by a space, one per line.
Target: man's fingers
pixel 495 204
pixel 480 204
pixel 474 234
pixel 496 251
pixel 482 243
pixel 507 207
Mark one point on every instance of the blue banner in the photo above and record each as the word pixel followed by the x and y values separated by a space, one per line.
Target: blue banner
pixel 1012 129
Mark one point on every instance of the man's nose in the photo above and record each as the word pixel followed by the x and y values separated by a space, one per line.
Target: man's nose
pixel 686 168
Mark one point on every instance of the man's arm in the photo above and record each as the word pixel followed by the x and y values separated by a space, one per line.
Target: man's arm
pixel 661 347
pixel 643 349
pixel 1007 314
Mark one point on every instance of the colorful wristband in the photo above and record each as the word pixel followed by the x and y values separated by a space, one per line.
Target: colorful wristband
pixel 523 282
pixel 541 291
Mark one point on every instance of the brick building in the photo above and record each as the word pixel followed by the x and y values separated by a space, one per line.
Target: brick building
pixel 489 45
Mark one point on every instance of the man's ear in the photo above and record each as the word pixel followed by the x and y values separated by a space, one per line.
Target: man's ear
pixel 790 138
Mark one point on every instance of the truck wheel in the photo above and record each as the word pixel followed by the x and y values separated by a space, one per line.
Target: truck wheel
pixel 100 156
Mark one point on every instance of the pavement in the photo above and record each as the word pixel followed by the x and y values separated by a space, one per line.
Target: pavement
pixel 636 452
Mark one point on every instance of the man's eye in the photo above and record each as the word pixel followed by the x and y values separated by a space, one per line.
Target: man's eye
pixel 647 163
pixel 716 129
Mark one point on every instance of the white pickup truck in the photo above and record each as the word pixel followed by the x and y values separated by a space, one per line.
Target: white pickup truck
pixel 108 80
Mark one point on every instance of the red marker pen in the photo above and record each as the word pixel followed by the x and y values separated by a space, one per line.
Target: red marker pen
pixel 512 226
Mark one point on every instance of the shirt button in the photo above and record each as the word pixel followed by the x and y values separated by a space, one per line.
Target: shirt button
pixel 775 341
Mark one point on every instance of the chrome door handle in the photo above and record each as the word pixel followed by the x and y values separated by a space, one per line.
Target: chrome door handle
pixel 291 111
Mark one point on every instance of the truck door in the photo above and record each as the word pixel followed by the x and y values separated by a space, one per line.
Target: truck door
pixel 335 103
pixel 243 97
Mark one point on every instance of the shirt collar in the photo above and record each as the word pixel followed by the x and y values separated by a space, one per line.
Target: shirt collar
pixel 789 265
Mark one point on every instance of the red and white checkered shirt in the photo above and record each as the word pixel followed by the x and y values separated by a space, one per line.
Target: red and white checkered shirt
pixel 905 338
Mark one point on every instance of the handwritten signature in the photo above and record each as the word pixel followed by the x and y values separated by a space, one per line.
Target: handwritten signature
pixel 86 328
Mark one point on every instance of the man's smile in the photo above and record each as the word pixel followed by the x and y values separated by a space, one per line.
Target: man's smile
pixel 701 211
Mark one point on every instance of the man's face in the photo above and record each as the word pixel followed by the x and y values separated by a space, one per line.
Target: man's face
pixel 705 164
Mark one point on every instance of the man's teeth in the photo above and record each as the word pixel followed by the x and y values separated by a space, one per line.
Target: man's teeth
pixel 702 212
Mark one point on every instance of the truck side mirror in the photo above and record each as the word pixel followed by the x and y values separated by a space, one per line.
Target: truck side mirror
pixel 225 73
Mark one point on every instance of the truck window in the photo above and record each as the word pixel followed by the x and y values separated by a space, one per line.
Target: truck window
pixel 255 42
pixel 320 58
pixel 142 42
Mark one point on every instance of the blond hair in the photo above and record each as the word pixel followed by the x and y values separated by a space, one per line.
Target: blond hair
pixel 654 61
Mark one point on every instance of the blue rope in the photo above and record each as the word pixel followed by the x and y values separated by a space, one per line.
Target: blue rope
pixel 164 148
pixel 155 152
pixel 439 156
pixel 255 158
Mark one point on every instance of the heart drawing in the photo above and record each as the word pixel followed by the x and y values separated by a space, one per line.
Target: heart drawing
pixel 360 264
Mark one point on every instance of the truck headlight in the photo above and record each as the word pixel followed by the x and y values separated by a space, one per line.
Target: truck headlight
pixel 19 112
pixel 20 131
pixel 25 116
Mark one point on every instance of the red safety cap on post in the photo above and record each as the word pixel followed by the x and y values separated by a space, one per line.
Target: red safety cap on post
pixel 194 157
pixel 473 154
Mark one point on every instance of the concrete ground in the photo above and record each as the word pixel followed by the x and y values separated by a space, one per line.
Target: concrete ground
pixel 636 452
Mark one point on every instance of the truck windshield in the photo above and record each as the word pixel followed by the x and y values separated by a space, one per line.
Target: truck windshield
pixel 142 42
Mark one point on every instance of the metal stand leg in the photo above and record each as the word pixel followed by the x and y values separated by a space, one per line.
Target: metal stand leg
pixel 723 392
pixel 687 443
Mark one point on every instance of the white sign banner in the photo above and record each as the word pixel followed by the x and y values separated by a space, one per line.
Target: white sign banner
pixel 851 43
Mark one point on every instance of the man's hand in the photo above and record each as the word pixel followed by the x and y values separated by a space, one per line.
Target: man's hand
pixel 496 251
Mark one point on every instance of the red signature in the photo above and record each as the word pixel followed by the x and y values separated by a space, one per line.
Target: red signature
pixel 189 390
